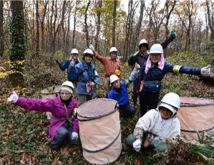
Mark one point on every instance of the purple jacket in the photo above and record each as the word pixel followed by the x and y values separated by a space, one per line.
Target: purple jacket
pixel 56 107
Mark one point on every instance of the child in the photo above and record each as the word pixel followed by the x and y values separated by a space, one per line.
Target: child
pixel 87 77
pixel 74 57
pixel 119 92
pixel 160 123
pixel 141 56
pixel 153 72
pixel 111 66
pixel 63 123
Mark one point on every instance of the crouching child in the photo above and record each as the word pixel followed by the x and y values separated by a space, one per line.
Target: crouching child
pixel 120 94
pixel 63 123
pixel 157 124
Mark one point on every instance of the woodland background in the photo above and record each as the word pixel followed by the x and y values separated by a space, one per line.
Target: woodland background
pixel 35 33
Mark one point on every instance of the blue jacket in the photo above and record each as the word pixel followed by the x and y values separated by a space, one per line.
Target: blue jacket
pixel 152 80
pixel 70 76
pixel 122 98
pixel 85 74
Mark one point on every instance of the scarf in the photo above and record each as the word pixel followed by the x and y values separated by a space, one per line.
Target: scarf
pixel 149 63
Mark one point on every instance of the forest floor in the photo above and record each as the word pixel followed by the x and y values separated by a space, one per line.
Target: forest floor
pixel 24 134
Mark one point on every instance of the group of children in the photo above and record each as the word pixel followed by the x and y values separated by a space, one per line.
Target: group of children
pixel 150 68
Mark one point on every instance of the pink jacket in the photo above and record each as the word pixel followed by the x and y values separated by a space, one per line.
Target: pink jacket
pixel 56 107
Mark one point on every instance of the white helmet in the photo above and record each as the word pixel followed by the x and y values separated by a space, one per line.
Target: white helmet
pixel 68 86
pixel 156 48
pixel 74 51
pixel 143 41
pixel 113 78
pixel 113 49
pixel 171 101
pixel 88 51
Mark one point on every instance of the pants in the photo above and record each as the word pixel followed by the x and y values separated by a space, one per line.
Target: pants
pixel 128 110
pixel 148 100
pixel 64 132
pixel 134 93
pixel 107 86
pixel 83 98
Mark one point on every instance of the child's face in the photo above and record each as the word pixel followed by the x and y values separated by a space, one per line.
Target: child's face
pixel 143 48
pixel 116 84
pixel 74 56
pixel 113 55
pixel 88 58
pixel 65 95
pixel 155 57
pixel 165 113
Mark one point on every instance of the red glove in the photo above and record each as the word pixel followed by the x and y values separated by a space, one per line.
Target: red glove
pixel 138 92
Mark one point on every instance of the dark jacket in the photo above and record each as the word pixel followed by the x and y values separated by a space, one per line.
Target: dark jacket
pixel 152 80
pixel 70 76
pixel 85 74
pixel 140 58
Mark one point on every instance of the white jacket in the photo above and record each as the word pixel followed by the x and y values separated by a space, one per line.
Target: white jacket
pixel 153 123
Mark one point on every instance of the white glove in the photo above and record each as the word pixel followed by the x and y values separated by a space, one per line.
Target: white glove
pixel 137 145
pixel 13 98
pixel 136 66
pixel 205 71
pixel 74 136
pixel 134 75
pixel 91 47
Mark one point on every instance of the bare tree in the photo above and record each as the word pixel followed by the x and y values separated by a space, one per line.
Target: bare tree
pixel 210 14
pixel 86 25
pixel 114 22
pixel 1 30
pixel 98 25
pixel 37 29
pixel 138 25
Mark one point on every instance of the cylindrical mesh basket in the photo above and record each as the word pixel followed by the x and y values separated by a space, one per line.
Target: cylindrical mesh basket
pixel 100 131
pixel 196 114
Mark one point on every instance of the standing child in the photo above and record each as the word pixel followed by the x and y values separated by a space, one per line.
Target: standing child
pixel 111 66
pixel 63 123
pixel 120 94
pixel 153 72
pixel 141 56
pixel 74 57
pixel 87 77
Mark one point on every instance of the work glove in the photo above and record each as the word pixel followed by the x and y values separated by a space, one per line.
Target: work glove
pixel 205 71
pixel 74 136
pixel 137 145
pixel 134 75
pixel 173 34
pixel 138 91
pixel 131 56
pixel 57 61
pixel 13 98
pixel 91 47
pixel 136 66
pixel 117 72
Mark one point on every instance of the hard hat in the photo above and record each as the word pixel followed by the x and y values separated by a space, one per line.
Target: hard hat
pixel 113 49
pixel 143 41
pixel 74 51
pixel 68 86
pixel 113 78
pixel 156 48
pixel 88 51
pixel 171 101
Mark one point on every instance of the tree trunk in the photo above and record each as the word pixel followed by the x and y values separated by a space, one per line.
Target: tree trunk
pixel 37 29
pixel 18 48
pixel 210 20
pixel 74 31
pixel 1 30
pixel 86 25
pixel 42 24
pixel 168 14
pixel 114 22
pixel 138 25
pixel 98 25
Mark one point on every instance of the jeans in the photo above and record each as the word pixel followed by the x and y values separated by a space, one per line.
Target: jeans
pixel 128 110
